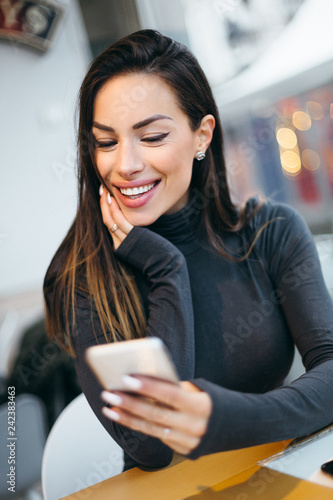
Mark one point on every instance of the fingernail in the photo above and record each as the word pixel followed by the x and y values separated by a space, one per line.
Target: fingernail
pixel 110 398
pixel 131 382
pixel 101 190
pixel 110 413
pixel 109 198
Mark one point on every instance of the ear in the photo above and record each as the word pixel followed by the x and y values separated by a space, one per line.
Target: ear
pixel 205 133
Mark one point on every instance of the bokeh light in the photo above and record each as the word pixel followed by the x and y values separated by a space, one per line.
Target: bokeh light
pixel 291 162
pixel 310 159
pixel 315 110
pixel 301 120
pixel 286 138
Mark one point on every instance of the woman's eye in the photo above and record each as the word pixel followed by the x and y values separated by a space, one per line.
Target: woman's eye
pixel 155 138
pixel 105 145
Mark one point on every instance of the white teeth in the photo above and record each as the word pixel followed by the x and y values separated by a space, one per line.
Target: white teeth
pixel 135 191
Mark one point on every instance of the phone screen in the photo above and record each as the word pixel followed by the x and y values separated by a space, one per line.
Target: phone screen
pixel 328 468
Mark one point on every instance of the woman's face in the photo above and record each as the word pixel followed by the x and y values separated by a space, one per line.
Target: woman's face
pixel 144 146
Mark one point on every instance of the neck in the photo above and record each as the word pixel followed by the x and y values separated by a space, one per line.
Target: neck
pixel 180 228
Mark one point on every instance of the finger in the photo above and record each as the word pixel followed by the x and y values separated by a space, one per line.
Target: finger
pixel 118 215
pixel 177 440
pixel 181 431
pixel 112 215
pixel 175 395
pixel 113 218
pixel 142 407
pixel 106 209
pixel 165 417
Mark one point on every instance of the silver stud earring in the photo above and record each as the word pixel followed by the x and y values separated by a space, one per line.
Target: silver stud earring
pixel 200 155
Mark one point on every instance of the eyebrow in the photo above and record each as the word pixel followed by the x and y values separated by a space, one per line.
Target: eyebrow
pixel 138 125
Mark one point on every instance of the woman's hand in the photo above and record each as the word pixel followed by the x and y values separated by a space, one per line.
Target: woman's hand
pixel 176 414
pixel 113 218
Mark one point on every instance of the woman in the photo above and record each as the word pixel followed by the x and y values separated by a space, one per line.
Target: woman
pixel 158 248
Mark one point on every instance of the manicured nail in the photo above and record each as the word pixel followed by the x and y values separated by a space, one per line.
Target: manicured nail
pixel 101 190
pixel 131 382
pixel 110 398
pixel 110 413
pixel 109 198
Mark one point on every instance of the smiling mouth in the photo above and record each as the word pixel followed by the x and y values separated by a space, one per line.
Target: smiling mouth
pixel 136 192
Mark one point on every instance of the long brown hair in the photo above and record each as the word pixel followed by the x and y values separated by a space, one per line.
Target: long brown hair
pixel 85 260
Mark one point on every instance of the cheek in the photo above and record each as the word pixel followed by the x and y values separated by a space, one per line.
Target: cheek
pixel 182 166
pixel 103 165
pixel 175 162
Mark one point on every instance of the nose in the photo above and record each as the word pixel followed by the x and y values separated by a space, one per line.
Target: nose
pixel 129 161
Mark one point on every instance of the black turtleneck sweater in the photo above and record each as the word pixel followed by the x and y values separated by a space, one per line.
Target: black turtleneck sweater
pixel 230 327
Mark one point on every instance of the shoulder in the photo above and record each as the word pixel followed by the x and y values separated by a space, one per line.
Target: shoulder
pixel 279 233
pixel 261 211
pixel 275 217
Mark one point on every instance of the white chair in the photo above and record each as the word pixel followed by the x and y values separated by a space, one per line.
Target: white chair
pixel 78 453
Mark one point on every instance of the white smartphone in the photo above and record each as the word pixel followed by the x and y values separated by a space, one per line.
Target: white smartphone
pixel 147 356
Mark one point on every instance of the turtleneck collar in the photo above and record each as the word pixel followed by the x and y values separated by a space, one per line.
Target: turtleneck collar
pixel 180 228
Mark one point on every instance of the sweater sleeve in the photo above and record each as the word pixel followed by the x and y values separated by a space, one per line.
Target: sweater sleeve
pixel 170 318
pixel 240 419
pixel 170 311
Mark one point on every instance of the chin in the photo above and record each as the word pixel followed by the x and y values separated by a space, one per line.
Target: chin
pixel 142 219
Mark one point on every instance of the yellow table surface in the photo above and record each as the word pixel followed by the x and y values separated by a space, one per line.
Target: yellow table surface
pixel 229 475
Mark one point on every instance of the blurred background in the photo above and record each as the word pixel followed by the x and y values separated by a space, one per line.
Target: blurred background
pixel 270 65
